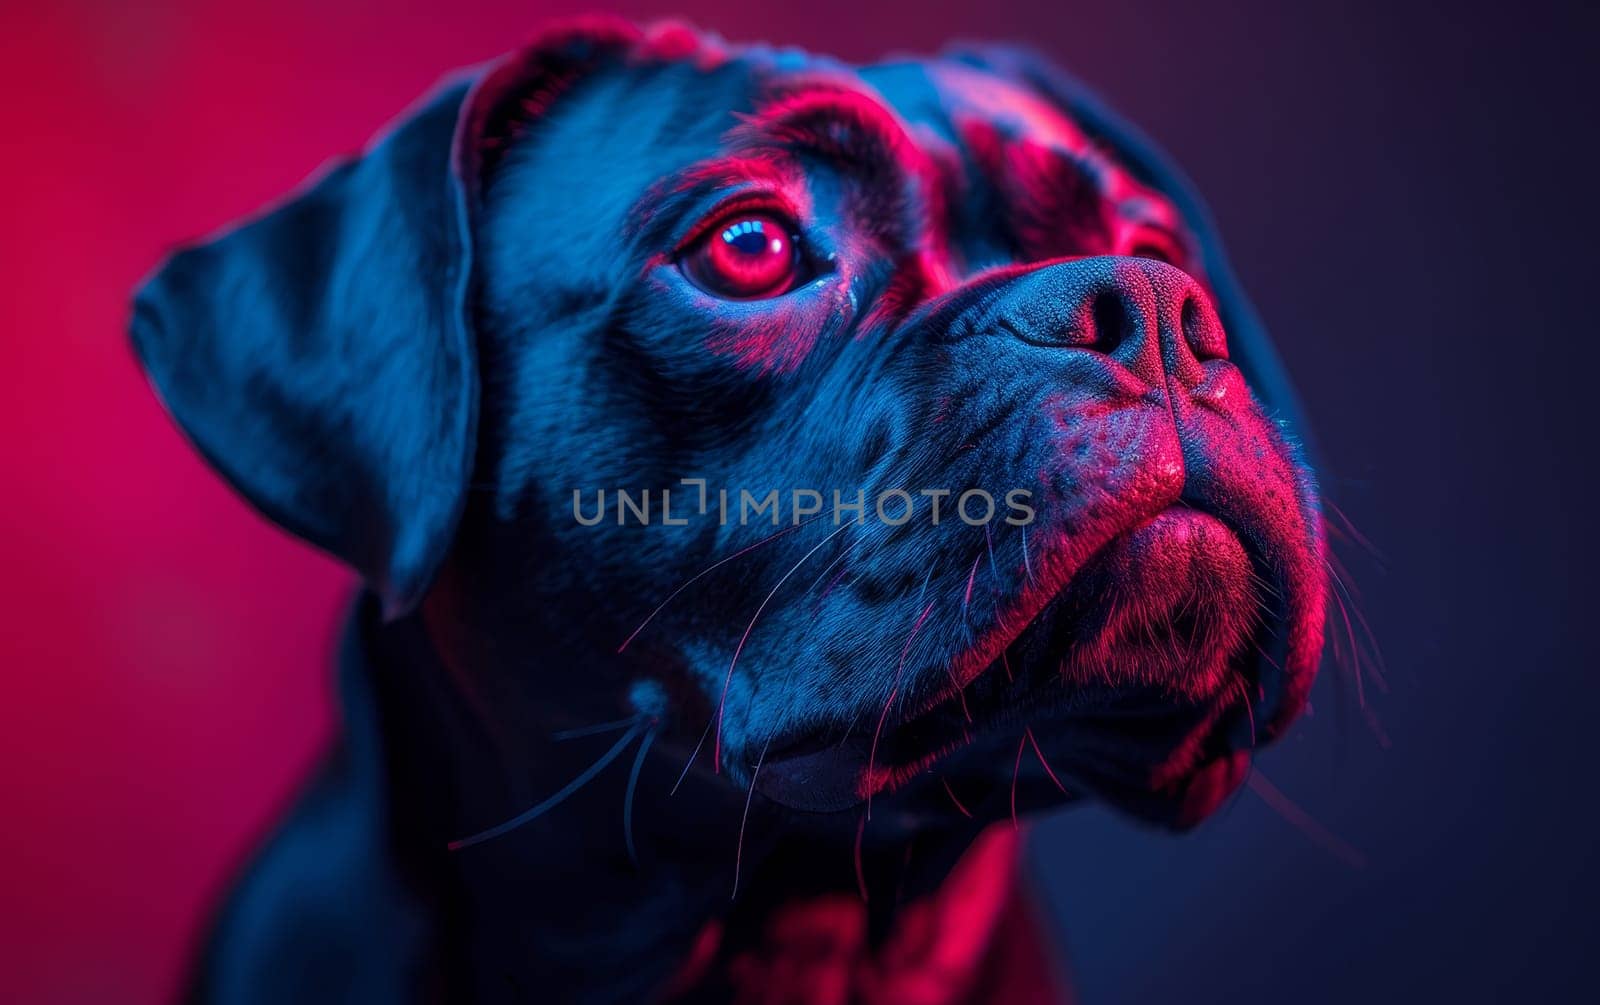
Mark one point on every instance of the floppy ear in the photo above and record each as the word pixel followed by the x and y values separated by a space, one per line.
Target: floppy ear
pixel 321 359
pixel 1249 346
pixel 322 355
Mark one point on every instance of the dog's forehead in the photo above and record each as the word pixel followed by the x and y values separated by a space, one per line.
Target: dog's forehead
pixel 939 101
pixel 943 96
pixel 963 121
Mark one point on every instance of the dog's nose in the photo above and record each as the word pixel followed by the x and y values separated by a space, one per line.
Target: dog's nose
pixel 1153 318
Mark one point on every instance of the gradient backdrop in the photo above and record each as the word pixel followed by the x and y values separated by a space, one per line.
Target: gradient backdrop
pixel 1408 196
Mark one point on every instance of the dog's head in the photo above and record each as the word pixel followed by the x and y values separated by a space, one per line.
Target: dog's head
pixel 645 261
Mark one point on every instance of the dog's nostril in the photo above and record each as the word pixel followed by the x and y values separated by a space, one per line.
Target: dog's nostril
pixel 1191 325
pixel 1201 331
pixel 1110 322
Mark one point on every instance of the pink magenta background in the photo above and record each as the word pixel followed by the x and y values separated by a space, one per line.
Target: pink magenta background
pixel 1396 189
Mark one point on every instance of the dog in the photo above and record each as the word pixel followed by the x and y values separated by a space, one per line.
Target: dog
pixel 529 363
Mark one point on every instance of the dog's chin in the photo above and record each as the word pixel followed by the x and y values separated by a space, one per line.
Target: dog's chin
pixel 1123 686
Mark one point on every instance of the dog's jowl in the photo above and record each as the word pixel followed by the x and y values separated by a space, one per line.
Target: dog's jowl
pixel 771 478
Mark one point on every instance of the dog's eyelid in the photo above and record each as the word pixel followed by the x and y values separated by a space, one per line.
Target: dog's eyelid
pixel 1154 240
pixel 754 202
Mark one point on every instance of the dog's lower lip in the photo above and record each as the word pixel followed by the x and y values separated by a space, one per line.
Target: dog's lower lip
pixel 815 775
pixel 826 772
pixel 1164 551
pixel 803 746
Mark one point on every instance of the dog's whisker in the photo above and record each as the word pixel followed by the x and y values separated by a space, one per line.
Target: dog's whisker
pixel 855 720
pixel 1016 769
pixel 861 873
pixel 1249 708
pixel 707 570
pixel 816 606
pixel 1329 507
pixel 692 755
pixel 864 539
pixel 844 553
pixel 602 727
pixel 949 669
pixel 1348 665
pixel 1273 663
pixel 1341 687
pixel 738 852
pixel 1266 586
pixel 867 540
pixel 927 578
pixel 952 794
pixel 1355 660
pixel 872 755
pixel 1358 664
pixel 1027 563
pixel 627 796
pixel 1379 733
pixel 877 734
pixel 722 703
pixel 972 577
pixel 1304 822
pixel 994 569
pixel 573 786
pixel 1027 731
pixel 1372 651
pixel 835 581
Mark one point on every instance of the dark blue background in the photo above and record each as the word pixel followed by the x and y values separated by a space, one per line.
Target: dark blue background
pixel 1408 194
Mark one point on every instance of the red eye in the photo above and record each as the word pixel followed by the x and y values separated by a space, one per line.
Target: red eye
pixel 746 256
pixel 1158 246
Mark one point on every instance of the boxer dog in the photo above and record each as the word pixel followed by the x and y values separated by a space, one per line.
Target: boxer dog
pixel 671 752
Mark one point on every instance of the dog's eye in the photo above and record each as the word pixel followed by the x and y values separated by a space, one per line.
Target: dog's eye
pixel 1157 246
pixel 746 256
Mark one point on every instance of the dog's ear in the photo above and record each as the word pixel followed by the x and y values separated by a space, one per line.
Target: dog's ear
pixel 322 355
pixel 321 358
pixel 1249 346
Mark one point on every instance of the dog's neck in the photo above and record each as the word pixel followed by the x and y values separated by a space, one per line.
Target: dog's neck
pixel 561 903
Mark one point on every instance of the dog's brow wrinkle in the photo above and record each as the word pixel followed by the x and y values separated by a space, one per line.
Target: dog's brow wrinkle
pixel 846 123
pixel 665 204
